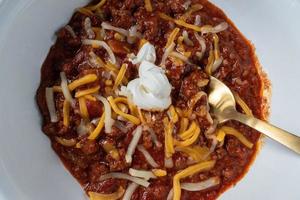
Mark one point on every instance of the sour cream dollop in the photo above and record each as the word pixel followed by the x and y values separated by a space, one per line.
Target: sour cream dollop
pixel 151 91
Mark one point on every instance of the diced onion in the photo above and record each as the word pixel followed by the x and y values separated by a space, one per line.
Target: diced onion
pixel 141 174
pixel 202 44
pixel 186 38
pixel 169 162
pixel 203 185
pixel 147 156
pixel 51 105
pixel 98 43
pixel 209 29
pixel 108 121
pixel 113 196
pixel 65 89
pixel 118 175
pixel 71 31
pixel 137 133
pixel 129 191
pixel 88 28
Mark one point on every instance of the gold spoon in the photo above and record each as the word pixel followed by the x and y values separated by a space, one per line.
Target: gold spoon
pixel 223 107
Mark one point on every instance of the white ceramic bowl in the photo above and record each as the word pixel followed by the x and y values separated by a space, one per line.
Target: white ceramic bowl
pixel 29 169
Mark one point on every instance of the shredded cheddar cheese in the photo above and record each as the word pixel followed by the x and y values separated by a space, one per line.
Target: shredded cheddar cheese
pixel 119 37
pixel 203 166
pixel 216 46
pixel 169 146
pixel 193 8
pixel 231 131
pixel 90 97
pixel 190 140
pixel 211 60
pixel 96 132
pixel 133 109
pixel 82 81
pixel 190 132
pixel 120 76
pixel 111 67
pixel 141 116
pixel 66 113
pixel 85 11
pixel 180 22
pixel 159 172
pixel 220 135
pixel 87 91
pixel 129 117
pixel 66 142
pixel 197 153
pixel 57 88
pixel 184 122
pixel 173 114
pixel 148 6
pixel 242 104
pixel 113 196
pixel 97 31
pixel 172 37
pixel 97 6
pixel 83 109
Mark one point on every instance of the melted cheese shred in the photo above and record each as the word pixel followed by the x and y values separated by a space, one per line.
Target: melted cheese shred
pixel 97 6
pixel 87 91
pixel 190 140
pixel 194 8
pixel 120 76
pixel 184 123
pixel 116 109
pixel 89 78
pixel 203 166
pixel 197 153
pixel 242 104
pixel 169 146
pixel 96 132
pixel 66 142
pixel 172 37
pixel 148 6
pixel 231 131
pixel 66 113
pixel 90 97
pixel 188 133
pixel 133 109
pixel 211 60
pixel 159 172
pixel 113 196
pixel 173 114
pixel 85 11
pixel 83 108
pixel 180 22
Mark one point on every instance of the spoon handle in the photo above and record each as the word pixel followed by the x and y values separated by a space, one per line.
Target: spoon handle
pixel 287 139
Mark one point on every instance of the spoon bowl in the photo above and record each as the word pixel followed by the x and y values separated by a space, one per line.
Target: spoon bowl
pixel 223 106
